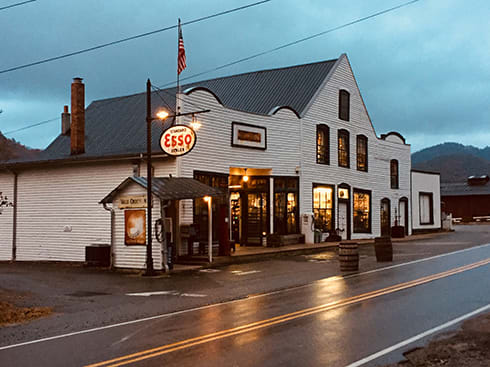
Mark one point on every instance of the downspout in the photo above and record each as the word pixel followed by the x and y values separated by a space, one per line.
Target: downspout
pixel 14 219
pixel 113 215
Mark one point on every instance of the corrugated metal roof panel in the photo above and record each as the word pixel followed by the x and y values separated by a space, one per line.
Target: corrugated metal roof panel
pixel 117 125
pixel 463 189
pixel 169 188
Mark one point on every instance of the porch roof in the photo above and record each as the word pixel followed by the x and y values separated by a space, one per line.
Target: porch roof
pixel 168 188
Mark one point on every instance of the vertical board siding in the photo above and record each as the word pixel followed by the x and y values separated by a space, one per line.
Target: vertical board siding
pixel 6 218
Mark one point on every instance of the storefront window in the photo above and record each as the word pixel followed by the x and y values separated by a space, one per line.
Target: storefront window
pixel 201 207
pixel 362 211
pixel 323 207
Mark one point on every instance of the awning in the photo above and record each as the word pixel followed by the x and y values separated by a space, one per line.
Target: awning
pixel 168 188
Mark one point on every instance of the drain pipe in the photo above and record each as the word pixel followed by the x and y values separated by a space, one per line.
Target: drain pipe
pixel 112 232
pixel 14 218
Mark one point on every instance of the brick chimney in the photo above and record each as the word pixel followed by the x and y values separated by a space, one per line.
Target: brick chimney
pixel 77 116
pixel 65 121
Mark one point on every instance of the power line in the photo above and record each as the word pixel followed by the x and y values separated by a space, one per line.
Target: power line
pixel 293 42
pixel 30 126
pixel 250 57
pixel 17 4
pixel 176 97
pixel 129 38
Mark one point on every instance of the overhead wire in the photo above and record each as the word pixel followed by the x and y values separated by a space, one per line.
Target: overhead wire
pixel 293 42
pixel 54 58
pixel 16 4
pixel 252 56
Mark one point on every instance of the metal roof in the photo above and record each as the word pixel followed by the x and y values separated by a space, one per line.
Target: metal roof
pixel 116 126
pixel 168 188
pixel 463 189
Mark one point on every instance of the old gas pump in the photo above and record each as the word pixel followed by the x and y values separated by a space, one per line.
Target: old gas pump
pixel 164 237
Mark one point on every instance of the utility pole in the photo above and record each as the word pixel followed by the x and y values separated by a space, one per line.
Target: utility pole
pixel 149 119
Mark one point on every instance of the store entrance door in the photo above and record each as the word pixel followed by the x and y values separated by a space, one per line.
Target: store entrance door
pixel 256 218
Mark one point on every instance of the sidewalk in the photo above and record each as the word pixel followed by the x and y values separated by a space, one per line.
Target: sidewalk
pixel 244 254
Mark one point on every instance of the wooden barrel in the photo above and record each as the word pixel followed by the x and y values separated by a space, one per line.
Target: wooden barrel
pixel 348 256
pixel 383 248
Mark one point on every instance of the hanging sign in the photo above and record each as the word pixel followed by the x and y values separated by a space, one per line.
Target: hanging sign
pixel 132 202
pixel 178 140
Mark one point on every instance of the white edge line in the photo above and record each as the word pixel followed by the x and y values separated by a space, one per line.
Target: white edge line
pixel 333 278
pixel 417 337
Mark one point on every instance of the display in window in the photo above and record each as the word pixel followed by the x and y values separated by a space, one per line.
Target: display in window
pixel 362 215
pixel 322 208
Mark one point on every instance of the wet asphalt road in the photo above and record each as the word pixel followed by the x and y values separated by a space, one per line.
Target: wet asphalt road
pixel 331 337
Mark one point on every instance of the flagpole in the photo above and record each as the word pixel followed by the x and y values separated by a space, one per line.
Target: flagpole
pixel 178 74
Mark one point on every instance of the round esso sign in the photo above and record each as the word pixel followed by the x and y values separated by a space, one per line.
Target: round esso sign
pixel 178 140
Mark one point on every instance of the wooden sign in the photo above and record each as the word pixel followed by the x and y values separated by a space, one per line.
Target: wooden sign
pixel 248 136
pixel 178 140
pixel 132 202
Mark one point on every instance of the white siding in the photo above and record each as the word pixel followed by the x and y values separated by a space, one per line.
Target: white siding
pixel 51 198
pixel 213 151
pixel 134 256
pixel 6 218
pixel 324 110
pixel 291 142
pixel 426 183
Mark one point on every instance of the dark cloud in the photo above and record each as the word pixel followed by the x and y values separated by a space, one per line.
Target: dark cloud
pixel 422 69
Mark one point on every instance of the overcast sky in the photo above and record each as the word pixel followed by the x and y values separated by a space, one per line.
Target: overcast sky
pixel 423 70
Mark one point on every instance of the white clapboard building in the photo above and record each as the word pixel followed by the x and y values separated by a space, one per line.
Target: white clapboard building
pixel 293 151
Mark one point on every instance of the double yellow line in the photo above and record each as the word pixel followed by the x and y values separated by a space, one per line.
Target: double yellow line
pixel 169 348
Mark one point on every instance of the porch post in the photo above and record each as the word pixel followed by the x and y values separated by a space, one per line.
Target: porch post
pixel 210 230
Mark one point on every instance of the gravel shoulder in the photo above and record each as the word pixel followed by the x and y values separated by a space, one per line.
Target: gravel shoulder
pixel 467 347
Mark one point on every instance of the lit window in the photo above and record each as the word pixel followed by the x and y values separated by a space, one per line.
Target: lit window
pixel 343 147
pixel 362 211
pixel 323 207
pixel 344 101
pixel 362 162
pixel 322 144
pixel 394 174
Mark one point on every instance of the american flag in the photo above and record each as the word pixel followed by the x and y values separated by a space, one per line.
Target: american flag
pixel 181 58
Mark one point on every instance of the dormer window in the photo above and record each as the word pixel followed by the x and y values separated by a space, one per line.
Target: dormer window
pixel 344 105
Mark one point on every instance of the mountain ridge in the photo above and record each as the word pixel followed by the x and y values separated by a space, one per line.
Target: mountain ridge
pixel 455 162
pixel 11 149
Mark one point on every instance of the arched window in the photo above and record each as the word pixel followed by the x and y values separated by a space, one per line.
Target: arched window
pixel 344 105
pixel 343 148
pixel 362 153
pixel 394 174
pixel 322 144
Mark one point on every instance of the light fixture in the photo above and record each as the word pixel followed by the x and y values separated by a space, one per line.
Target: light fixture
pixel 195 124
pixel 162 114
pixel 245 177
pixel 207 199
